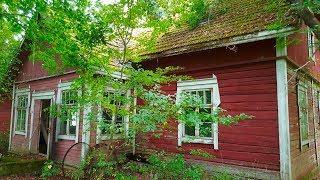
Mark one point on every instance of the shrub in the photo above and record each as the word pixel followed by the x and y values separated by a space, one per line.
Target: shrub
pixel 50 169
pixel 4 142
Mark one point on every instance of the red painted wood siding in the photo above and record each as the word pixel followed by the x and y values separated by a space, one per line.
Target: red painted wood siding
pixel 28 73
pixel 246 86
pixel 29 69
pixel 303 160
pixel 298 52
pixel 5 115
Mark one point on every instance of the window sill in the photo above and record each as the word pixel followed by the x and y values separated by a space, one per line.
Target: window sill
pixel 19 133
pixel 67 137
pixel 200 140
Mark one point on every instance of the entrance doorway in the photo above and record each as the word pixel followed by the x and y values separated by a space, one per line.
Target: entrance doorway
pixel 41 123
pixel 44 126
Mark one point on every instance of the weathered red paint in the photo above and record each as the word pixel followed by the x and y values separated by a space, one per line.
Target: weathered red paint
pixel 5 115
pixel 305 160
pixel 32 75
pixel 298 53
pixel 247 84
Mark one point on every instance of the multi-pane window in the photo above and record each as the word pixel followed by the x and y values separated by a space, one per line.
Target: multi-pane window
pixel 205 132
pixel 110 118
pixel 303 114
pixel 205 129
pixel 69 113
pixel 21 113
pixel 311 44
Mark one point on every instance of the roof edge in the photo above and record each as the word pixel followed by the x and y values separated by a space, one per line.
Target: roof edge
pixel 262 35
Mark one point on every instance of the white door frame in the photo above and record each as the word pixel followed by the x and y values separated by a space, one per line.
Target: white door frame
pixel 41 96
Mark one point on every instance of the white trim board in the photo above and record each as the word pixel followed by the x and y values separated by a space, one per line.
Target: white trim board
pixel 12 118
pixel 86 125
pixel 283 114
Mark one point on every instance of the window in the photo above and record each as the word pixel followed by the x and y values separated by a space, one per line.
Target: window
pixel 21 114
pixel 206 133
pixel 204 129
pixel 311 44
pixel 69 113
pixel 303 114
pixel 108 117
pixel 67 123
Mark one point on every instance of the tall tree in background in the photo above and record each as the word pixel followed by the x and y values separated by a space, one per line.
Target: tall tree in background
pixel 307 10
pixel 104 43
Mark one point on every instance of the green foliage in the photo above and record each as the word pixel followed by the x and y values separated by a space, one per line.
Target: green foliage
pixel 198 10
pixel 4 142
pixel 201 153
pixel 101 41
pixel 174 168
pixel 8 60
pixel 50 169
pixel 12 164
pixel 224 175
pixel 189 115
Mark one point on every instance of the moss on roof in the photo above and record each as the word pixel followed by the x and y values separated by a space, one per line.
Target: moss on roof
pixel 230 18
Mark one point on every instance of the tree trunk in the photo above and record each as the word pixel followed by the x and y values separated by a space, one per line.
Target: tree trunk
pixel 307 16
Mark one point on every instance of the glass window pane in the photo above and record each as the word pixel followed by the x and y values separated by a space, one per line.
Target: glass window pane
pixel 304 132
pixel 106 121
pixel 205 130
pixel 18 124
pixel 63 127
pixel 200 93
pixel 106 116
pixel 190 130
pixel 69 97
pixel 208 97
pixel 21 109
pixel 72 128
pixel 23 120
pixel 72 123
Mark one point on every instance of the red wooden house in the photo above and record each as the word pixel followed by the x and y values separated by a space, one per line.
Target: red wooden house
pixel 238 64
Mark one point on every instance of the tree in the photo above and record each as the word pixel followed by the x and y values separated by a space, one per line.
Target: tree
pixel 306 10
pixel 105 44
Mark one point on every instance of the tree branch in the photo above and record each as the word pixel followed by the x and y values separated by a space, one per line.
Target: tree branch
pixel 307 16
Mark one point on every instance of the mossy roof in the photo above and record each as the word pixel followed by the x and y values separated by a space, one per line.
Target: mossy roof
pixel 231 18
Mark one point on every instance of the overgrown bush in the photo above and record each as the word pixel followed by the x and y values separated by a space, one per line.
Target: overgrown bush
pixel 158 166
pixel 50 169
pixel 4 142
pixel 174 167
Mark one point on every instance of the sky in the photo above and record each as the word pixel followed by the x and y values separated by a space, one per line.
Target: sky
pixel 107 1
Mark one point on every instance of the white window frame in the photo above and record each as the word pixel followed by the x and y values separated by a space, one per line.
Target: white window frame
pixel 200 84
pixel 21 92
pixel 305 87
pixel 62 87
pixel 101 137
pixel 311 45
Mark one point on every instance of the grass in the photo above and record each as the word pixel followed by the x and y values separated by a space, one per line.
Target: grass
pixel 12 164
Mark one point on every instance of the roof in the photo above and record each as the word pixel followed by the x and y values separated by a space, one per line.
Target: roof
pixel 239 17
